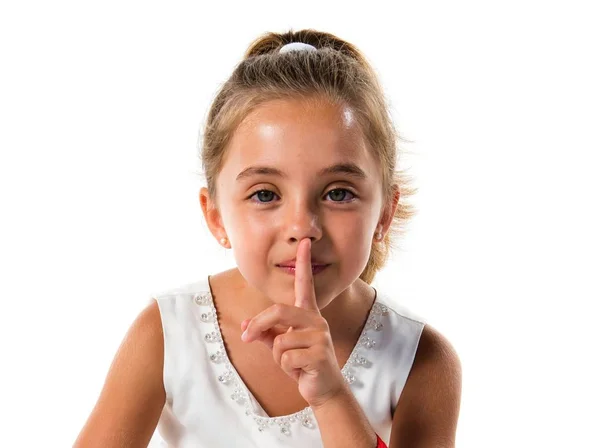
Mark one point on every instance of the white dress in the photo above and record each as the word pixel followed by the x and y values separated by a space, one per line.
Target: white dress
pixel 209 406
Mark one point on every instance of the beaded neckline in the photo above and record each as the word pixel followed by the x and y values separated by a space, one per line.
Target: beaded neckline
pixel 229 376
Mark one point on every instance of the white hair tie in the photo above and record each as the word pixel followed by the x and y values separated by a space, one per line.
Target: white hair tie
pixel 297 46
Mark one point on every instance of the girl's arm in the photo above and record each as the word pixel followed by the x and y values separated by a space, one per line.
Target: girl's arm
pixel 342 423
pixel 133 395
pixel 427 412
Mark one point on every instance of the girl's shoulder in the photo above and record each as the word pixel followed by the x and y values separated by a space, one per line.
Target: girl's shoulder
pixel 133 394
pixel 179 307
pixel 190 289
pixel 390 303
pixel 196 290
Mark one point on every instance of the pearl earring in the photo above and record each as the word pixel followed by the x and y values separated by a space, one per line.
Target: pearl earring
pixel 223 241
pixel 378 236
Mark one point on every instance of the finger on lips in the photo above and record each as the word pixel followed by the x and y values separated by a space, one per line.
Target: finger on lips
pixel 303 280
pixel 290 316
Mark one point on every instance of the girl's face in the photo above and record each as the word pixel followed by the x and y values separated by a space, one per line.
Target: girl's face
pixel 298 169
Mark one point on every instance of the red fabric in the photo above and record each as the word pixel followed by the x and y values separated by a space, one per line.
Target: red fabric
pixel 381 443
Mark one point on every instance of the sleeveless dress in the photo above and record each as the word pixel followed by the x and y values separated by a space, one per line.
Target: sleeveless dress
pixel 208 405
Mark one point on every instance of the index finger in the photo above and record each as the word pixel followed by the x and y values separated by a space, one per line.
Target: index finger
pixel 304 287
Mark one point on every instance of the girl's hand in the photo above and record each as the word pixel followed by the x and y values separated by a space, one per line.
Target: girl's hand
pixel 299 337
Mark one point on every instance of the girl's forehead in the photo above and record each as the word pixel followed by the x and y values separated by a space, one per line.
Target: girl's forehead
pixel 296 134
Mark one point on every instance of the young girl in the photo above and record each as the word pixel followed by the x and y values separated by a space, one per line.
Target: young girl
pixel 293 347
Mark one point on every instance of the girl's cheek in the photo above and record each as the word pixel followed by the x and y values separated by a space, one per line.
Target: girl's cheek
pixel 258 224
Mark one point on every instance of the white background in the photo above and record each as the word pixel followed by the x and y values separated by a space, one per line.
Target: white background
pixel 100 108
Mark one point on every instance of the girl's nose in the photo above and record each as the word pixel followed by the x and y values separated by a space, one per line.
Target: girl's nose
pixel 303 223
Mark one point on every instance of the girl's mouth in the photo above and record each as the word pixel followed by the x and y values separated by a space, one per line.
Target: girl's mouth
pixel 316 269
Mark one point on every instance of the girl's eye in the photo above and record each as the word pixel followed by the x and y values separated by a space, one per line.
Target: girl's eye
pixel 336 195
pixel 264 196
pixel 339 195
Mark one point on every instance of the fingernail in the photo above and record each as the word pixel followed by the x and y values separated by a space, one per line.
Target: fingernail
pixel 245 335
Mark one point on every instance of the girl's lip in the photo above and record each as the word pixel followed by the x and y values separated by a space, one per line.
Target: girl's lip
pixel 316 268
pixel 292 263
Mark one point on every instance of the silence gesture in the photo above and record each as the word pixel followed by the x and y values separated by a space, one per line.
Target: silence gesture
pixel 305 351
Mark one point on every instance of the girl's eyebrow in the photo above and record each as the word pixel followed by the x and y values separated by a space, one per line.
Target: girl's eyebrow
pixel 350 169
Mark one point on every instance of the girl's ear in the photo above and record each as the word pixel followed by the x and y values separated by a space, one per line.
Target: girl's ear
pixel 212 215
pixel 389 210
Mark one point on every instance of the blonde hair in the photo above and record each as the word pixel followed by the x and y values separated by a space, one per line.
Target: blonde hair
pixel 338 72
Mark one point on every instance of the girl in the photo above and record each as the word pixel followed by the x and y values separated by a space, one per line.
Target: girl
pixel 293 347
